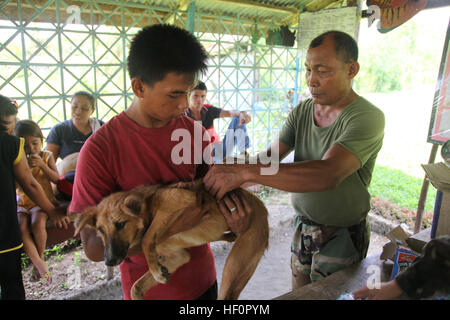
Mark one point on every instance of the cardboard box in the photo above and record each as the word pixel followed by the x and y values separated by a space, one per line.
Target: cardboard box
pixel 403 259
pixel 400 239
pixel 417 241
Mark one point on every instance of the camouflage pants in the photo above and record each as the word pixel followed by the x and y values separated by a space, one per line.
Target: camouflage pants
pixel 319 250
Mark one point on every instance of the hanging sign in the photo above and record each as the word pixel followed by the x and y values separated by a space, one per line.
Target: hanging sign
pixel 439 130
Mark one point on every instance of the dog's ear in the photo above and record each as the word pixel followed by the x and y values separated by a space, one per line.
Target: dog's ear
pixel 88 217
pixel 133 204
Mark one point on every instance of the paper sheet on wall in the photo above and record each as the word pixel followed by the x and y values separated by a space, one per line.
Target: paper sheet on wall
pixel 312 24
pixel 439 130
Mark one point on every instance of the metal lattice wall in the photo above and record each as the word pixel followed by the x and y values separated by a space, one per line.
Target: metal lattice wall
pixel 49 51
pixel 247 75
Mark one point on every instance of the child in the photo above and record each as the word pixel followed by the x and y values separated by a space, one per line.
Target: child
pixel 14 167
pixel 8 114
pixel 43 169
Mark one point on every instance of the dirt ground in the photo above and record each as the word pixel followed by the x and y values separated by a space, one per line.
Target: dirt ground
pixel 70 271
pixel 75 264
pixel 73 270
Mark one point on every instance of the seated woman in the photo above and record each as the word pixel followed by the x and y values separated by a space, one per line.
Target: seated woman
pixel 66 138
pixel 237 131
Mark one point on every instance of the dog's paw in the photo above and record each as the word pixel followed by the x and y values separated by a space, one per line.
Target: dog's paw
pixel 137 293
pixel 161 274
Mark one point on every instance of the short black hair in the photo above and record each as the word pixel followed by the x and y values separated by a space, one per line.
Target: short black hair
pixel 87 95
pixel 344 44
pixel 26 128
pixel 7 108
pixel 159 49
pixel 200 86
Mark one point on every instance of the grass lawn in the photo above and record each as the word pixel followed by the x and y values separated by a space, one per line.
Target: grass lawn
pixel 399 188
pixel 398 175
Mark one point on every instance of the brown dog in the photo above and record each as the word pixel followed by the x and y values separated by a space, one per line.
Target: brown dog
pixel 144 214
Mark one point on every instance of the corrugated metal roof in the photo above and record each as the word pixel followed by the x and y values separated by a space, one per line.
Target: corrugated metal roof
pixel 251 11
pixel 276 11
pixel 267 14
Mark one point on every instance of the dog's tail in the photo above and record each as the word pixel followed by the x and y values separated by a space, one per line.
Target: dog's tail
pixel 246 252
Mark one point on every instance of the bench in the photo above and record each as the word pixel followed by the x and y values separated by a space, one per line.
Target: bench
pixel 57 235
pixel 344 281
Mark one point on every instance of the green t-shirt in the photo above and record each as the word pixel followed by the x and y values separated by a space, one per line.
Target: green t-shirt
pixel 360 129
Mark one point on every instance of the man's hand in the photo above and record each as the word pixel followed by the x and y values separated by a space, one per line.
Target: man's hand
pixel 387 291
pixel 236 210
pixel 221 179
pixel 244 118
pixel 59 218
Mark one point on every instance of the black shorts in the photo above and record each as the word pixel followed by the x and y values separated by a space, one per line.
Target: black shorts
pixel 11 276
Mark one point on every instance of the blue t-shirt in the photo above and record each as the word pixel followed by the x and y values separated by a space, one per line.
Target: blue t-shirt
pixel 67 136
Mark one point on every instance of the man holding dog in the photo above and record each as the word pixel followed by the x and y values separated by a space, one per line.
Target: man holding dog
pixel 336 136
pixel 135 148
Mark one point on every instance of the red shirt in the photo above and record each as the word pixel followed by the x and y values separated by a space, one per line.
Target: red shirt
pixel 122 155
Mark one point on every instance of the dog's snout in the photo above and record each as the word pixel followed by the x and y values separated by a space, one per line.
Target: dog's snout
pixel 115 252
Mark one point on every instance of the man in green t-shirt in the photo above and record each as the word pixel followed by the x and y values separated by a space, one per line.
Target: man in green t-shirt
pixel 336 136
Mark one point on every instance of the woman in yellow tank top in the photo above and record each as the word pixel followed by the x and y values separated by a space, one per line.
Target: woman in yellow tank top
pixel 33 219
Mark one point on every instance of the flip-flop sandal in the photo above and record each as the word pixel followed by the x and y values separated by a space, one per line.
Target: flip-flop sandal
pixel 46 279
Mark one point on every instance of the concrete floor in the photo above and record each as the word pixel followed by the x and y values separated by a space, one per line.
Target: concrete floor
pixel 272 277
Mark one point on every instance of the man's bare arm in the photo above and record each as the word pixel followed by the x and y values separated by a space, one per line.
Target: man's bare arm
pixel 92 244
pixel 305 176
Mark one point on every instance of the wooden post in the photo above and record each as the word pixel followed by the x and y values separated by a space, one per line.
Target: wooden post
pixel 424 192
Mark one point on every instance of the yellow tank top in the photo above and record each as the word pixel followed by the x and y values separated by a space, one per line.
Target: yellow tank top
pixel 22 199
